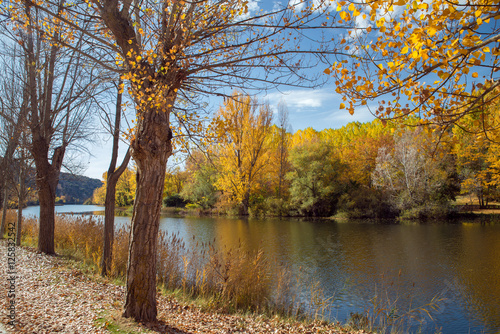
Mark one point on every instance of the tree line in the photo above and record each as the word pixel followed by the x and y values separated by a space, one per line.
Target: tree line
pixel 252 164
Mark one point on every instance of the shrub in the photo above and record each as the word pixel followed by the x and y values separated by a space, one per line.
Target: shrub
pixel 174 201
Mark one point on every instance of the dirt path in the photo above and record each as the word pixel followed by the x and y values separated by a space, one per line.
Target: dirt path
pixel 52 298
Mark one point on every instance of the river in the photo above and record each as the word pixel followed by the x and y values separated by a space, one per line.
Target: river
pixel 354 261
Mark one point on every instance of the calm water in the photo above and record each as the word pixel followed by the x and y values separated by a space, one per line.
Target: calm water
pixel 358 260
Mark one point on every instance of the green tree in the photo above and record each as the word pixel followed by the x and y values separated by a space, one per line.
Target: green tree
pixel 200 189
pixel 315 179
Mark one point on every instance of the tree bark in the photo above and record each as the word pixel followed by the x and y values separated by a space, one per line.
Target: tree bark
pixel 150 150
pixel 47 178
pixel 20 204
pixel 4 211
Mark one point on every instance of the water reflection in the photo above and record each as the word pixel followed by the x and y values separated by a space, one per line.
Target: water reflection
pixel 357 260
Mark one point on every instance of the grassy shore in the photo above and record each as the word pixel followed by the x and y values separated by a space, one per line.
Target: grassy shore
pixel 200 278
pixel 248 290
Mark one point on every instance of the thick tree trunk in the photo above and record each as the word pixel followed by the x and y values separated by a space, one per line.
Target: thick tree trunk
pixel 47 178
pixel 150 150
pixel 46 197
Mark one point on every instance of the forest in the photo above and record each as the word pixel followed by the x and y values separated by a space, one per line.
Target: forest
pixel 143 73
pixel 255 166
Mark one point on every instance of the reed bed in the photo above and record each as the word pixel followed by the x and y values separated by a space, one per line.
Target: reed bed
pixel 227 279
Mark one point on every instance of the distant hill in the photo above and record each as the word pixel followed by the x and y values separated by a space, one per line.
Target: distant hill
pixel 75 189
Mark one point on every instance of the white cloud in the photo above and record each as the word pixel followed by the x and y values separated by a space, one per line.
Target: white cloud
pixel 302 99
pixel 298 4
pixel 253 7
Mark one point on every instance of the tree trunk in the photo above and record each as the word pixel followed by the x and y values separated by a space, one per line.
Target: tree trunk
pixel 109 227
pixel 109 215
pixel 150 150
pixel 47 199
pixel 4 212
pixel 20 203
pixel 112 180
pixel 47 178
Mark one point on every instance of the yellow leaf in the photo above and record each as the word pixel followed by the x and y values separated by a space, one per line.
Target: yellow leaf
pixel 474 75
pixel 404 50
pixel 342 106
pixel 327 71
pixel 339 8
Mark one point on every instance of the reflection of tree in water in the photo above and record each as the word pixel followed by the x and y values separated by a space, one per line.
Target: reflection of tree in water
pixel 478 271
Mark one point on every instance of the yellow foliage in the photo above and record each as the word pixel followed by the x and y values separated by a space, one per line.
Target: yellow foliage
pixel 448 41
pixel 242 154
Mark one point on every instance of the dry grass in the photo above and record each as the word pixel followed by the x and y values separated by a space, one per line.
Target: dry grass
pixel 226 280
pixel 10 217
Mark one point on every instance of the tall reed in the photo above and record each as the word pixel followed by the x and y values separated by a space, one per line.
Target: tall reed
pixel 228 279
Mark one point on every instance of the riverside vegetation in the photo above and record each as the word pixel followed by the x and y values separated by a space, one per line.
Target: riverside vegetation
pixel 378 169
pixel 227 281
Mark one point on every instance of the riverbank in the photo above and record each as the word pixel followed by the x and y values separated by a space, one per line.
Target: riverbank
pixel 51 295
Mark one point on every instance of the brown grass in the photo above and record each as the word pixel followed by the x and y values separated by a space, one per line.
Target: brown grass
pixel 226 280
pixel 10 216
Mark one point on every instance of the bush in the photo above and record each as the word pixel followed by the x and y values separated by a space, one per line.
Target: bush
pixel 277 207
pixel 365 203
pixel 428 211
pixel 175 201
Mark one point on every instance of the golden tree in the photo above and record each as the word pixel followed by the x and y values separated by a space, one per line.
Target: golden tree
pixel 243 128
pixel 174 50
pixel 423 58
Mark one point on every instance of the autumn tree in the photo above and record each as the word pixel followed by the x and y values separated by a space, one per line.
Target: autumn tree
pixel 476 139
pixel 414 176
pixel 171 50
pixel 243 126
pixel 124 190
pixel 422 58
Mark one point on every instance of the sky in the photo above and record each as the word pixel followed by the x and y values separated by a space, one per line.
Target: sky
pixel 316 108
